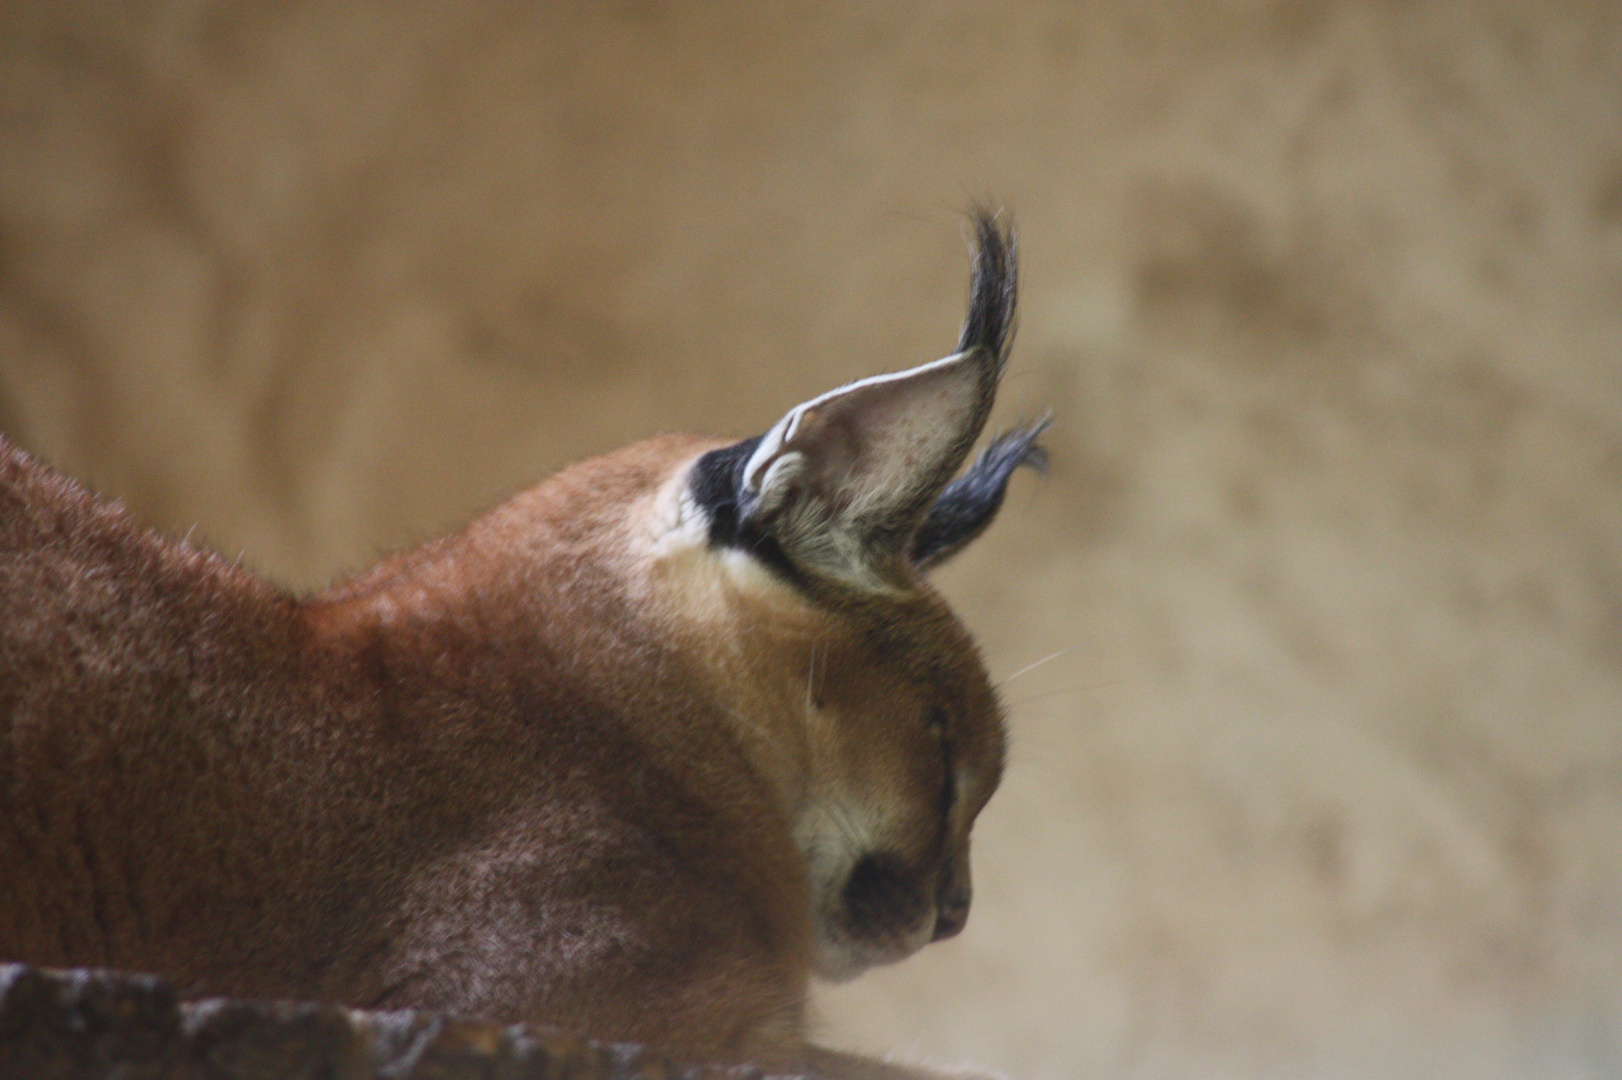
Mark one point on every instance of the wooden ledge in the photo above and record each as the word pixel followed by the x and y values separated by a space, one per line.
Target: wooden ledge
pixel 101 1025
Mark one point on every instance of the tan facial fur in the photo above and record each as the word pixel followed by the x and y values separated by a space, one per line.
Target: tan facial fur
pixel 876 719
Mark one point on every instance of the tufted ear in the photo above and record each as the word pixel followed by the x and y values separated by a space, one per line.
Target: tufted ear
pixel 842 482
pixel 842 486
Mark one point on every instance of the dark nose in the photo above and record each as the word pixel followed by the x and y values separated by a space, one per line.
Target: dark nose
pixel 951 912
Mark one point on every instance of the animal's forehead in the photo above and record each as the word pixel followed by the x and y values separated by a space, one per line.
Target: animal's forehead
pixel 921 637
pixel 914 656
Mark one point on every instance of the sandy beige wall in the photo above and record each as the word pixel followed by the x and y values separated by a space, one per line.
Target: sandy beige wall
pixel 1324 774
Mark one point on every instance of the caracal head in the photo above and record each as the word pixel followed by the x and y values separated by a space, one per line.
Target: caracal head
pixel 799 557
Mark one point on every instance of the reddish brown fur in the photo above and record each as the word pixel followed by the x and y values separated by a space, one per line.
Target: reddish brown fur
pixel 510 774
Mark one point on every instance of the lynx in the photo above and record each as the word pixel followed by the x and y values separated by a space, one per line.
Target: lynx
pixel 637 752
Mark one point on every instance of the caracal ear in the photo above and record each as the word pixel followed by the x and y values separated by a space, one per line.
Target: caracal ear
pixel 842 482
pixel 841 486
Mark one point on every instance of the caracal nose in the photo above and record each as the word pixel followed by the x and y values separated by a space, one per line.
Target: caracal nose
pixel 951 912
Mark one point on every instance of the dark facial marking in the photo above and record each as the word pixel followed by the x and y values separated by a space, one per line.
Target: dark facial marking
pixel 882 896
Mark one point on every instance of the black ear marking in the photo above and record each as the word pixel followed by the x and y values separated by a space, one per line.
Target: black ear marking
pixel 993 288
pixel 716 485
pixel 969 503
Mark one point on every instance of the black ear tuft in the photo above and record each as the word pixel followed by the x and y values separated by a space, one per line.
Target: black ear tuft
pixel 968 504
pixel 993 288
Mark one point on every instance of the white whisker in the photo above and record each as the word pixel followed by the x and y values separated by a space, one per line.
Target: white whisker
pixel 1033 666
pixel 844 820
pixel 811 681
pixel 1086 688
pixel 766 736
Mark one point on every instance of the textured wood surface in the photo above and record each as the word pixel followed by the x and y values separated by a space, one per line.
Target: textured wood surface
pixel 98 1025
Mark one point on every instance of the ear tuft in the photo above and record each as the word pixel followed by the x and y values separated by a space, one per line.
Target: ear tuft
pixel 968 504
pixel 993 288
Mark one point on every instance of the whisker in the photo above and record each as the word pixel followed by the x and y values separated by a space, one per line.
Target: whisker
pixel 766 735
pixel 1084 689
pixel 811 681
pixel 1033 666
pixel 845 821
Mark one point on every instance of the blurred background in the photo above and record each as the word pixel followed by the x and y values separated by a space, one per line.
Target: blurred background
pixel 1318 772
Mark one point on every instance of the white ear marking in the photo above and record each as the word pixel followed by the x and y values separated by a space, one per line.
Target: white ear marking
pixel 844 479
pixel 785 430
